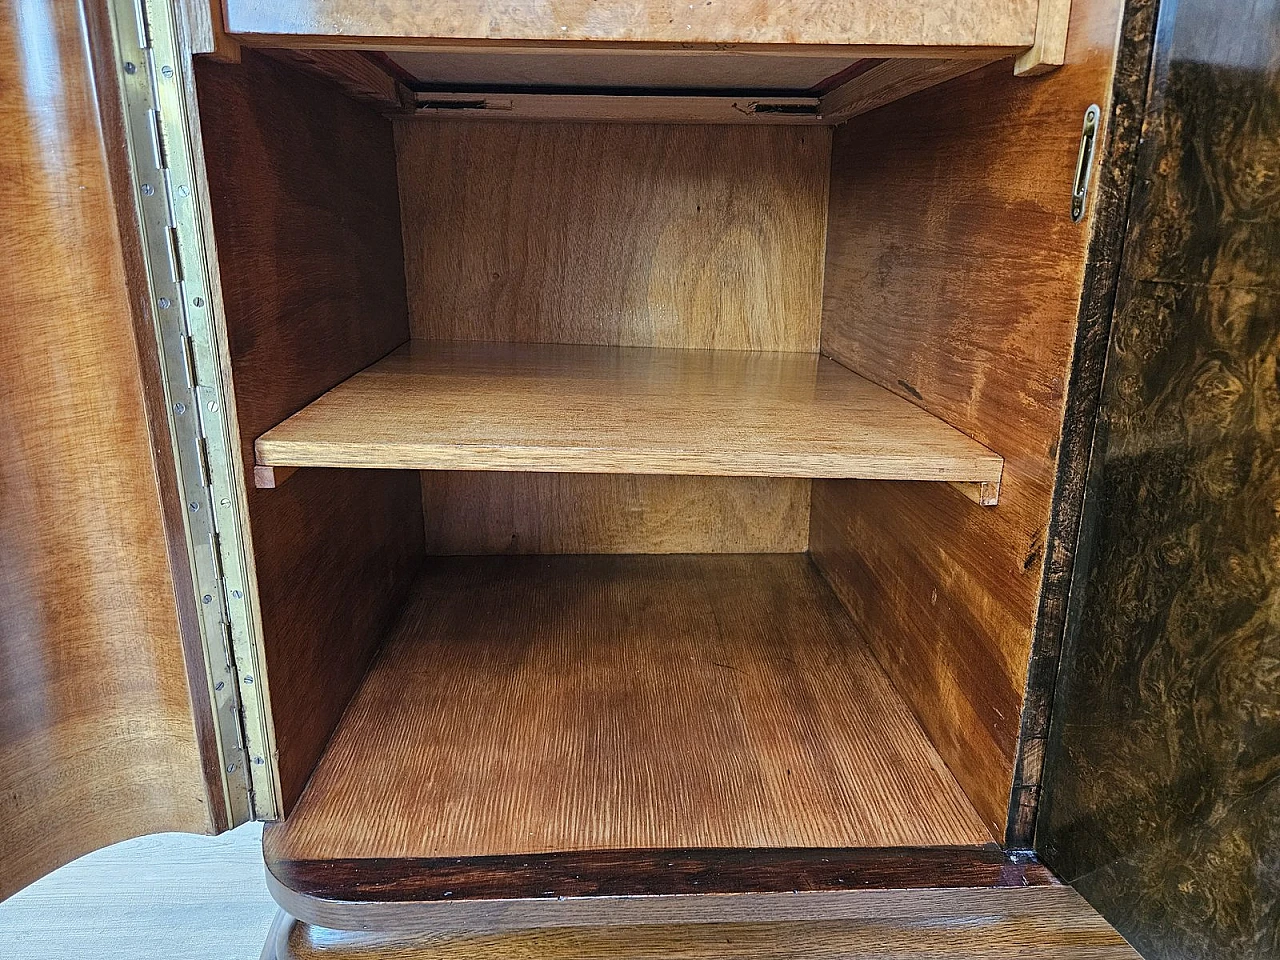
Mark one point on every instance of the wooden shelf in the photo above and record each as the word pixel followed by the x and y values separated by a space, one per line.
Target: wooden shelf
pixel 540 704
pixel 573 409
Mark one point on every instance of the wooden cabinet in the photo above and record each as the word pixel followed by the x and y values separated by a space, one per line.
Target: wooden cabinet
pixel 566 465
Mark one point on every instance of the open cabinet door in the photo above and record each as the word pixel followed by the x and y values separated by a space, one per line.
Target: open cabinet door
pixel 1162 796
pixel 106 729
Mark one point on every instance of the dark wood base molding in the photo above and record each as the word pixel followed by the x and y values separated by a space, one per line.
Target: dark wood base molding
pixel 1049 922
pixel 609 888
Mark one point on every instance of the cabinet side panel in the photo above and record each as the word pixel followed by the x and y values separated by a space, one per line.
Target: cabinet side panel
pixel 306 214
pixel 1162 798
pixel 97 739
pixel 954 278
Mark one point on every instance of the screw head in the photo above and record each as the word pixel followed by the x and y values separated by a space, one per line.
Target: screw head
pixel 194 506
pixel 183 191
pixel 131 68
pixel 207 598
pixel 165 303
pixel 148 190
pixel 179 408
pixel 167 72
pixel 198 302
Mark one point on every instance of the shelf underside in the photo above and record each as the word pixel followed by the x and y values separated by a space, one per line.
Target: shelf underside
pixel 587 409
pixel 542 704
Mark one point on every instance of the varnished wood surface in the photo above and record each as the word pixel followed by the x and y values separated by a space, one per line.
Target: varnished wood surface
pixel 630 235
pixel 599 68
pixel 584 703
pixel 97 739
pixel 359 75
pixel 444 405
pixel 549 513
pixel 611 874
pixel 886 81
pixel 302 185
pixel 950 226
pixel 1162 788
pixel 1053 923
pixel 648 236
pixel 948 23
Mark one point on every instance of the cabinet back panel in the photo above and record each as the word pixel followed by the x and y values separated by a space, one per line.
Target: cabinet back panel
pixel 954 277
pixel 472 513
pixel 632 235
pixel 303 189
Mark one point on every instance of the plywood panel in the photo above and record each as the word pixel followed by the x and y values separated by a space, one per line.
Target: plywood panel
pixel 97 737
pixel 676 236
pixel 950 225
pixel 551 408
pixel 302 185
pixel 484 513
pixel 623 703
pixel 948 23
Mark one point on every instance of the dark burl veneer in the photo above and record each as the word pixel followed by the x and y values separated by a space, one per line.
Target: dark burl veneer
pixel 1163 803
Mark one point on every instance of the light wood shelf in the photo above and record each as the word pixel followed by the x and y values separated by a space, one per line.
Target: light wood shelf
pixel 538 704
pixel 583 409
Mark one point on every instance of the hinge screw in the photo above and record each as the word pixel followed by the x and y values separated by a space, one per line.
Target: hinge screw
pixel 207 598
pixel 165 303
pixel 194 506
pixel 259 761
pixel 148 190
pixel 231 768
pixel 217 687
pixel 179 408
pixel 237 594
pixel 248 679
pixel 183 191
pixel 213 406
pixel 131 67
pixel 167 72
pixel 198 302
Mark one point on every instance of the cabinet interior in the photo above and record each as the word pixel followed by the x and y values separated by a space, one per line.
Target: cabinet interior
pixel 641 485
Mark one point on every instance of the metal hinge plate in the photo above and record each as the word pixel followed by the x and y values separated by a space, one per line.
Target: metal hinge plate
pixel 168 190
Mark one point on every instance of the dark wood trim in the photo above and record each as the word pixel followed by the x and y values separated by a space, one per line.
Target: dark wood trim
pixel 116 144
pixel 638 873
pixel 1084 391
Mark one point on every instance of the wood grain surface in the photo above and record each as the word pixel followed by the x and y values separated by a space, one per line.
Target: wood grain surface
pixel 349 884
pixel 1053 923
pixel 1163 782
pixel 948 23
pixel 583 65
pixel 630 235
pixel 302 185
pixel 549 513
pixel 950 226
pixel 97 739
pixel 585 703
pixel 442 405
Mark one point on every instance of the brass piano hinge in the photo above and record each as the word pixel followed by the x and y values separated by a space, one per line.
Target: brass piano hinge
pixel 169 191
